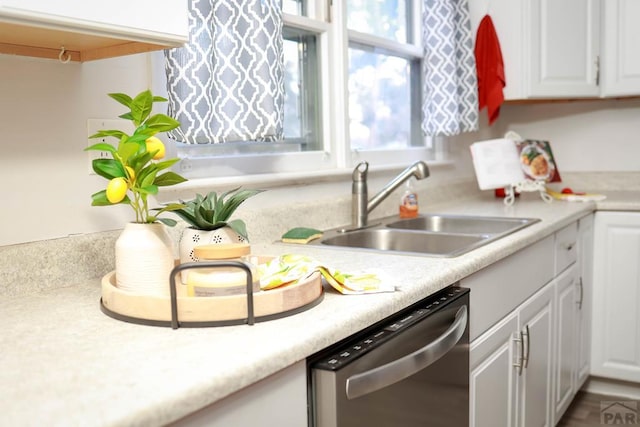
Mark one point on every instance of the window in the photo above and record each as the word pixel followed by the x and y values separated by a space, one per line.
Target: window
pixel 352 92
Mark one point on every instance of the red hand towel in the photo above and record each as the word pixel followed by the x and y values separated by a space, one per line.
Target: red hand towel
pixel 490 69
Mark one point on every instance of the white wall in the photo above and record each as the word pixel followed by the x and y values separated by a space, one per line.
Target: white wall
pixel 44 107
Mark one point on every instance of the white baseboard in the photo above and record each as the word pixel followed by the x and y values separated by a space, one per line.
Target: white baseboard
pixel 609 387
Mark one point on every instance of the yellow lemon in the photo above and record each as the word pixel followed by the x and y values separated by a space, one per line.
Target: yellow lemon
pixel 130 173
pixel 154 144
pixel 116 190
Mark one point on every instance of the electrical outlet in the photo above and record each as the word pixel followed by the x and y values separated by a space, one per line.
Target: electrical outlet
pixel 95 125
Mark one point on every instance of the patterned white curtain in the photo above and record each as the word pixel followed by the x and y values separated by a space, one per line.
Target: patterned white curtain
pixel 450 90
pixel 227 83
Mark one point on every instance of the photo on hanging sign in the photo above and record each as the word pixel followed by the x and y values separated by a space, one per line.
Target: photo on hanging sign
pixel 537 161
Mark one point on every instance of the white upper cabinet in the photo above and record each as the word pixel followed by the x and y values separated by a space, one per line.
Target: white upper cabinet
pixel 620 57
pixel 510 24
pixel 564 45
pixel 90 29
pixel 566 49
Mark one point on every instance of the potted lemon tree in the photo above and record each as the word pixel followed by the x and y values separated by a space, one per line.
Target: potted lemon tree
pixel 144 254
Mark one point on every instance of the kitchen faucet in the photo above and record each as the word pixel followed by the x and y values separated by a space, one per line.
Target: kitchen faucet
pixel 360 206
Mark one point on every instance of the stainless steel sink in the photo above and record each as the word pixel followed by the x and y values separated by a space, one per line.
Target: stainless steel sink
pixel 463 224
pixel 431 234
pixel 386 239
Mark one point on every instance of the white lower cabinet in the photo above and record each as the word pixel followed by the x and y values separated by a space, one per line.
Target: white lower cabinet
pixel 511 366
pixel 584 289
pixel 493 380
pixel 278 400
pixel 536 332
pixel 565 367
pixel 526 369
pixel 615 348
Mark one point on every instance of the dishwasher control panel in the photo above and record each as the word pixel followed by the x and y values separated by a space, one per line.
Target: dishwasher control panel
pixel 354 347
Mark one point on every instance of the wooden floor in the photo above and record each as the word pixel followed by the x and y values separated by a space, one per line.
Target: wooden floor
pixel 585 411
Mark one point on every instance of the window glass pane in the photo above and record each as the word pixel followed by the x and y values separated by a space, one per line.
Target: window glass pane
pixel 379 100
pixel 302 88
pixel 293 7
pixel 301 113
pixel 292 100
pixel 384 18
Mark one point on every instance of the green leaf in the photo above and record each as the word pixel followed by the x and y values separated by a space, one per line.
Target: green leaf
pixel 168 208
pixel 122 98
pixel 126 116
pixel 168 178
pixel 167 163
pixel 102 133
pixel 167 221
pixel 102 146
pixel 141 107
pixel 140 159
pixel 162 123
pixel 239 227
pixel 234 201
pixel 149 189
pixel 202 222
pixel 100 199
pixel 128 149
pixel 139 137
pixel 186 216
pixel 159 99
pixel 147 176
pixel 108 168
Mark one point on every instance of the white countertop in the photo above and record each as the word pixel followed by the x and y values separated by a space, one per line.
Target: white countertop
pixel 63 362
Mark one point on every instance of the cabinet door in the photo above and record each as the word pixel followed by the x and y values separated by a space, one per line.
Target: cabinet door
pixel 148 20
pixel 511 26
pixel 564 48
pixel 278 400
pixel 565 366
pixel 615 347
pixel 493 379
pixel 584 292
pixel 620 57
pixel 536 324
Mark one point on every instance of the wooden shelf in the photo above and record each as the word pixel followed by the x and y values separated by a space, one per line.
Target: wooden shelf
pixel 47 43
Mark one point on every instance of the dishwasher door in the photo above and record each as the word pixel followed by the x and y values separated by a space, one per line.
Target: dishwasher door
pixel 412 370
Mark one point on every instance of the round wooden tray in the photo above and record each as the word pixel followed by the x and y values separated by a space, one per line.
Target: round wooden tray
pixel 208 311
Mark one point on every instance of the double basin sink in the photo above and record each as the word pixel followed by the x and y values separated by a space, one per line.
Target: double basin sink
pixel 430 234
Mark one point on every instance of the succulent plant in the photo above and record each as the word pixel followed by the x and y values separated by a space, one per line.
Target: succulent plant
pixel 211 212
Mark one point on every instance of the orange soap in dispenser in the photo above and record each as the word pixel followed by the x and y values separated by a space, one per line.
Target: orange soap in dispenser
pixel 409 201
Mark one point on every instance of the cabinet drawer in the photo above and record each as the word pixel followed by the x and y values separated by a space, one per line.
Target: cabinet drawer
pixel 499 288
pixel 566 247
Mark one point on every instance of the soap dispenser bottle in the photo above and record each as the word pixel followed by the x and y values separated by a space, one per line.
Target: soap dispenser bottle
pixel 409 201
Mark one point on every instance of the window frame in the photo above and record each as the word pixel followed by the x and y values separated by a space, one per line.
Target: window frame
pixel 327 20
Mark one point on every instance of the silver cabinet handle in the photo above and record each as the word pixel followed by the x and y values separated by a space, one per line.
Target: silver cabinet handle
pixel 526 358
pixel 520 363
pixel 385 375
pixel 581 294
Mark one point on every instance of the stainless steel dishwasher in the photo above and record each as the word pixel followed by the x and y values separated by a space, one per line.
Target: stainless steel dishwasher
pixel 411 369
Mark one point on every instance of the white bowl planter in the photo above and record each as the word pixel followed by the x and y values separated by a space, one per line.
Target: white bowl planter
pixel 192 237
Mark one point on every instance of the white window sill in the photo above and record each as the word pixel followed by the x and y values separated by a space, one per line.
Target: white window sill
pixel 187 190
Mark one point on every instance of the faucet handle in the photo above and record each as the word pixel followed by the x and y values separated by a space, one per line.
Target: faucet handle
pixel 360 171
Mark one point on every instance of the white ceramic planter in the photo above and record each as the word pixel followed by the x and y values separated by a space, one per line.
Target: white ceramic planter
pixel 192 237
pixel 144 259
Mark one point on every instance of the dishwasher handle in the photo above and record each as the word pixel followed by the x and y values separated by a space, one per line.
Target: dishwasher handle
pixel 382 376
